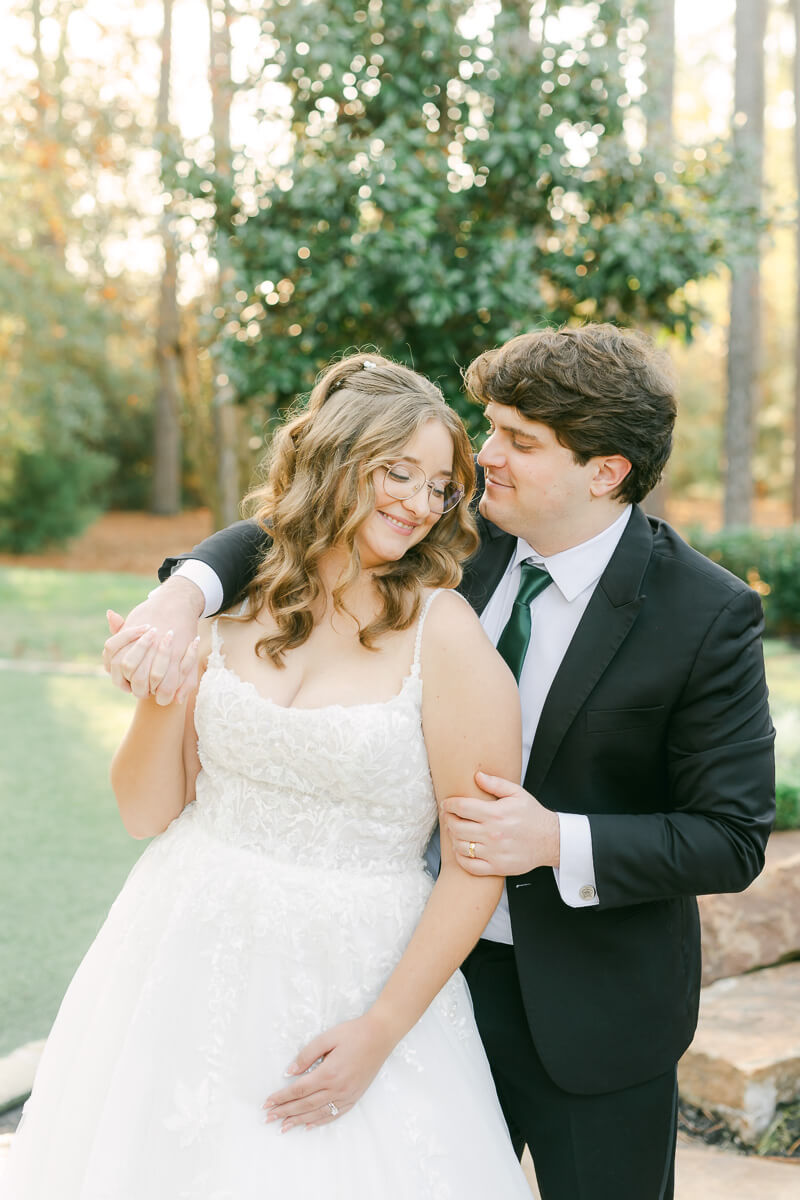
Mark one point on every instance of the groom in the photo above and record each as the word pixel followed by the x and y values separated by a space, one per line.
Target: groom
pixel 647 743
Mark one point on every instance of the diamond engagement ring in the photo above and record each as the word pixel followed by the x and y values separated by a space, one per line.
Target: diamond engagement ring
pixel 333 1108
pixel 471 850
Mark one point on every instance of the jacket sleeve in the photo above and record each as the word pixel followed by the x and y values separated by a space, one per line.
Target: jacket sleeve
pixel 720 761
pixel 233 553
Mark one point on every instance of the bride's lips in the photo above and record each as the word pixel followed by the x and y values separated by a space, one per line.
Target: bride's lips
pixel 400 526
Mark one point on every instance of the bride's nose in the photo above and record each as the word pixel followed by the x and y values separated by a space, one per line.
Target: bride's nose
pixel 420 502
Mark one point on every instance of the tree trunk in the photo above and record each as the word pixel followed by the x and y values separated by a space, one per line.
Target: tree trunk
pixel 167 425
pixel 796 481
pixel 744 341
pixel 226 418
pixel 167 451
pixel 659 97
pixel 658 106
pixel 38 56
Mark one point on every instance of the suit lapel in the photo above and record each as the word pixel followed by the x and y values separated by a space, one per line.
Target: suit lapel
pixel 603 628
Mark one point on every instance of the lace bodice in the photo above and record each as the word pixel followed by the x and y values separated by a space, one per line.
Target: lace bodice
pixel 334 787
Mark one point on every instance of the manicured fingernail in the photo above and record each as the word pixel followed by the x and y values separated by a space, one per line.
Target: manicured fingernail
pixel 291 1069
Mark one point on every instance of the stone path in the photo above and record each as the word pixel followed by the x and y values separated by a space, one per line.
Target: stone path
pixel 705 1173
pixel 745 1057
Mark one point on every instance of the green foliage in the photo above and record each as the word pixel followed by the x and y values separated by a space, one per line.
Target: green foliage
pixel 52 496
pixel 447 189
pixel 769 562
pixel 70 340
pixel 783 1135
pixel 787 806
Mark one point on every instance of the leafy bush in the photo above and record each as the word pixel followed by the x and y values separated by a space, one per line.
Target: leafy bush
pixel 787 806
pixel 769 562
pixel 51 470
pixel 52 497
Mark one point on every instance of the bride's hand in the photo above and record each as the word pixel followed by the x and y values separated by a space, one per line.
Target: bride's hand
pixel 347 1058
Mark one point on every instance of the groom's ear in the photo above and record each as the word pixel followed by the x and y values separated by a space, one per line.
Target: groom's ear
pixel 609 472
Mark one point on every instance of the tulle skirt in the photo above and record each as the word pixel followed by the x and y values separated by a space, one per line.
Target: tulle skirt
pixel 214 967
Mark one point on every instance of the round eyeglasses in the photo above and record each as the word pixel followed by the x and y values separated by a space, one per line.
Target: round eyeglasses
pixel 403 480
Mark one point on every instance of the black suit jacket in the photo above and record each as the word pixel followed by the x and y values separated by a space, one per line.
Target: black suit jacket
pixel 656 726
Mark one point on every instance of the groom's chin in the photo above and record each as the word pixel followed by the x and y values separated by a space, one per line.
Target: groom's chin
pixel 490 511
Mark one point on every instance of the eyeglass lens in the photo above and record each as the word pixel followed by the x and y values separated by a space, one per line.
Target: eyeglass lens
pixel 404 480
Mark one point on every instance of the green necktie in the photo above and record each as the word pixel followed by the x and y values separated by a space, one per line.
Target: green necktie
pixel 514 640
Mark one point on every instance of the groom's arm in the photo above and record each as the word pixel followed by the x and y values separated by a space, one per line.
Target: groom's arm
pixel 722 779
pixel 232 555
pixel 208 579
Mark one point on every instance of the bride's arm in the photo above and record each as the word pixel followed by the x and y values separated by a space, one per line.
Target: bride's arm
pixel 471 722
pixel 155 767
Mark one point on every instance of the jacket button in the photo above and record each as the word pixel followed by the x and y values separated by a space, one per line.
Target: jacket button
pixel 587 892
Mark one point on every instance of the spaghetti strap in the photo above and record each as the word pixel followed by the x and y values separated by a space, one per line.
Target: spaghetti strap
pixel 216 644
pixel 217 653
pixel 420 625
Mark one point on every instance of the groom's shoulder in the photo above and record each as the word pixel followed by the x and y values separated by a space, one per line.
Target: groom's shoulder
pixel 676 560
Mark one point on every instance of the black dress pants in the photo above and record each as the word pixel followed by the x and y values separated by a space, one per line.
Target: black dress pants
pixel 615 1146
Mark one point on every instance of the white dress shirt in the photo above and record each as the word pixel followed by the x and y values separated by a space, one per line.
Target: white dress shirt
pixel 207 580
pixel 555 615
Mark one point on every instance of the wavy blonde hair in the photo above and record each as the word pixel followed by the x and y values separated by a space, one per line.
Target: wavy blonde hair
pixel 319 491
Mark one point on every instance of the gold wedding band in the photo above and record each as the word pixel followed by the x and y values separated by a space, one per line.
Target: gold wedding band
pixel 471 850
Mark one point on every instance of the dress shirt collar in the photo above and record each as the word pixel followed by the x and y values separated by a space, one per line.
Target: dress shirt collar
pixel 580 566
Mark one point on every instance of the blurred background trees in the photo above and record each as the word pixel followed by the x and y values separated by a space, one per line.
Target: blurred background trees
pixel 208 199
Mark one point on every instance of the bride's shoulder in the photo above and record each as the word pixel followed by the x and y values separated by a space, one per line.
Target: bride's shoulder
pixel 456 653
pixel 451 623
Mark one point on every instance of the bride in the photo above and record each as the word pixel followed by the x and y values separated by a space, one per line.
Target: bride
pixel 273 1005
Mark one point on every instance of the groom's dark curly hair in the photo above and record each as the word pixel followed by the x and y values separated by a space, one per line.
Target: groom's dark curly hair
pixel 601 389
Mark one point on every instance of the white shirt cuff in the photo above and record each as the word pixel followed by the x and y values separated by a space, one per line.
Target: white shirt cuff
pixel 206 579
pixel 575 877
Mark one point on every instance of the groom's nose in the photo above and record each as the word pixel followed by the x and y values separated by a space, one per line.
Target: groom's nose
pixel 489 454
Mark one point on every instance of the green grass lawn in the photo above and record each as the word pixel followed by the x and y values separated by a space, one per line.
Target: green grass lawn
pixel 59 616
pixel 63 852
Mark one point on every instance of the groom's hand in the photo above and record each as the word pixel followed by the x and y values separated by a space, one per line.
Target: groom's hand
pixel 157 670
pixel 510 835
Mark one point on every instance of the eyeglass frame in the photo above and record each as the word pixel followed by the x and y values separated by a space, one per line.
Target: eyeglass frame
pixel 429 483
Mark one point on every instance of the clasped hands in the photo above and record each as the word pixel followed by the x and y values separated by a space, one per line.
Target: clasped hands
pixel 154 651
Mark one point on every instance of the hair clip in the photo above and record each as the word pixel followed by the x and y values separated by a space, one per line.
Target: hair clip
pixel 369 365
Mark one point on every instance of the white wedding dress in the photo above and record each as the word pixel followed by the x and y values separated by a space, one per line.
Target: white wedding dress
pixel 273 907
